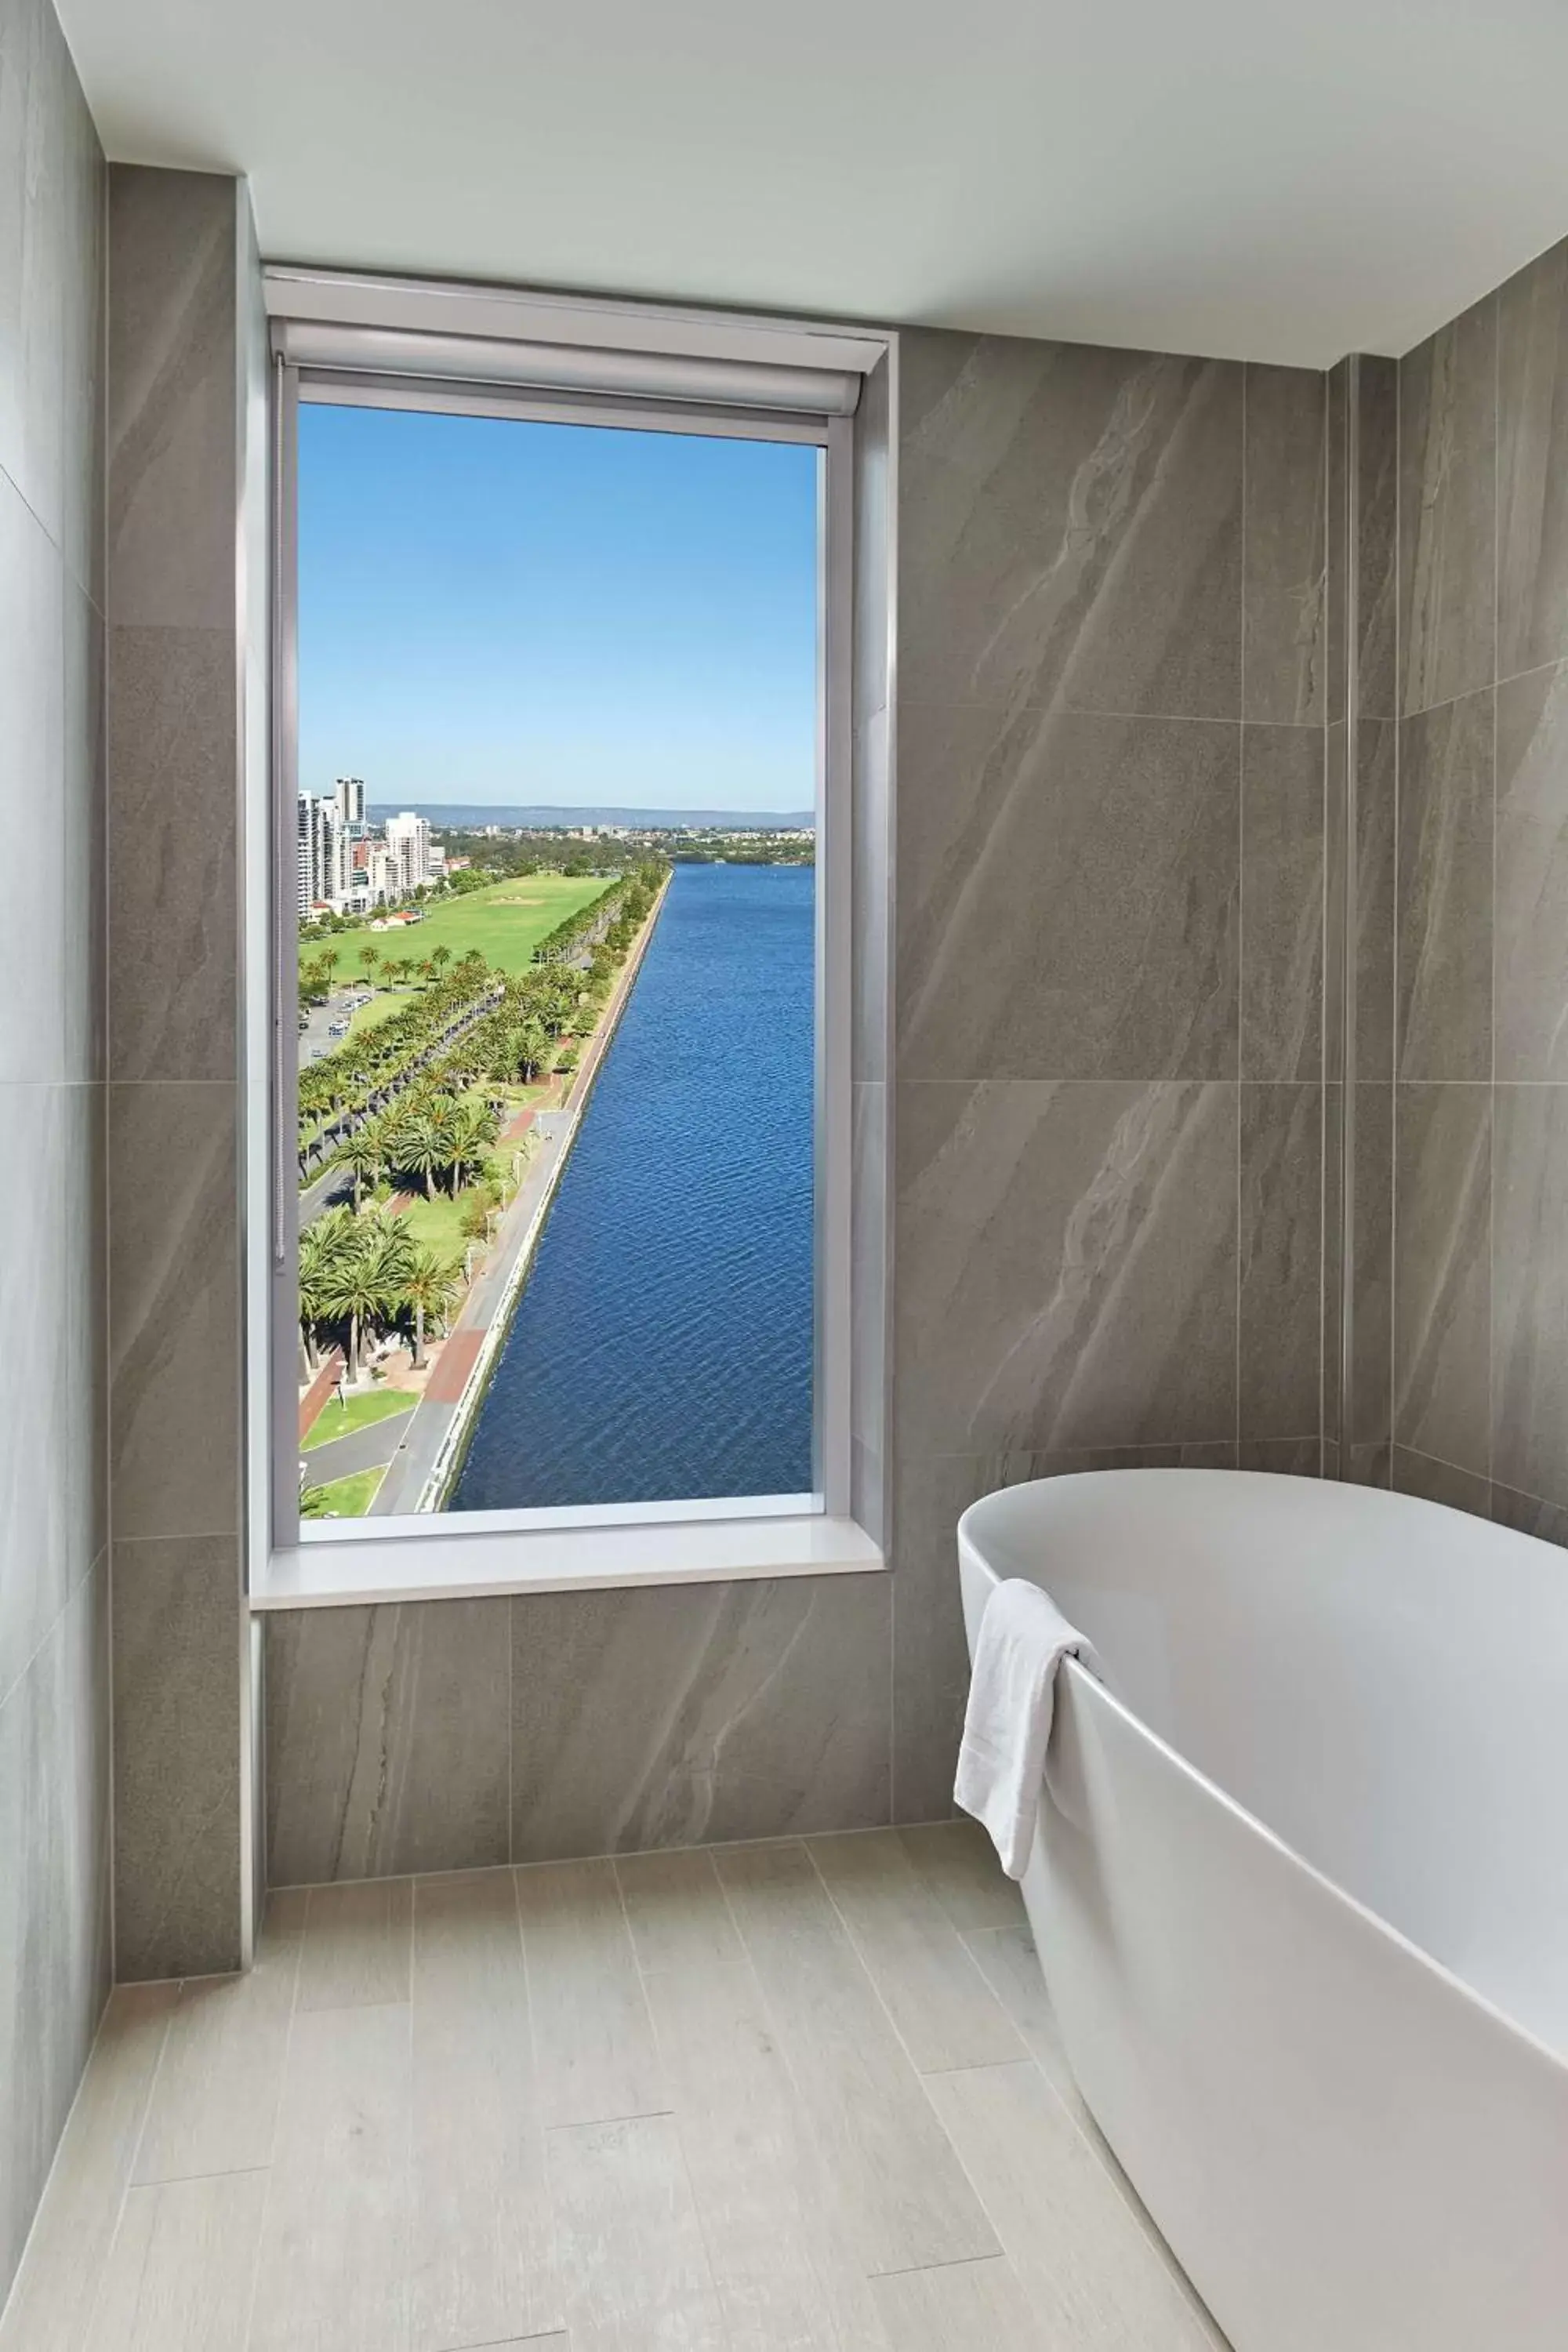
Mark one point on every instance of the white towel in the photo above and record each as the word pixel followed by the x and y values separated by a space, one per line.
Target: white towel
pixel 1024 1637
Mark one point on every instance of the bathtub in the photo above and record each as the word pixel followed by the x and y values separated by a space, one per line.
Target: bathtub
pixel 1300 1891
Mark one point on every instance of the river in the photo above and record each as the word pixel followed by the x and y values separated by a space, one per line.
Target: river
pixel 661 1349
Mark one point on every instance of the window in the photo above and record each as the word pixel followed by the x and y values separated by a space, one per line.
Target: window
pixel 559 1213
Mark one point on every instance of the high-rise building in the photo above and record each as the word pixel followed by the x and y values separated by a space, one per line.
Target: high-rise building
pixel 351 800
pixel 408 840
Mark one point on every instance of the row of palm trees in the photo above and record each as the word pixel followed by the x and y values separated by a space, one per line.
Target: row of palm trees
pixel 426 1135
pixel 364 1275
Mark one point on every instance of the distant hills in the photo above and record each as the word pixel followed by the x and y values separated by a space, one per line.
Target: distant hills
pixel 468 815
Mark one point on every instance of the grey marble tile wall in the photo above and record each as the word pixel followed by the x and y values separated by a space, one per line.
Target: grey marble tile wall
pixel 1364 512
pixel 54 1522
pixel 1481 1107
pixel 450 1734
pixel 178 256
pixel 1110 971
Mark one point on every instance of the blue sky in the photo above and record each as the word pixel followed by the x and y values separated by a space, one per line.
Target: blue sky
pixel 498 611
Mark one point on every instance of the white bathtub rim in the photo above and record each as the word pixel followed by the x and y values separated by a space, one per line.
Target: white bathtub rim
pixel 1088 1684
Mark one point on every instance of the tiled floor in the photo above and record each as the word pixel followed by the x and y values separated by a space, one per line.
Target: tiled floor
pixel 762 2099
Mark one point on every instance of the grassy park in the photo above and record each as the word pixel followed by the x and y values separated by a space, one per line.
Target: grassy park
pixel 504 921
pixel 336 1420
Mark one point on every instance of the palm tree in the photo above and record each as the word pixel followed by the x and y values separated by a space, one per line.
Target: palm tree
pixel 324 1247
pixel 471 1131
pixel 440 958
pixel 369 958
pixel 429 1288
pixel 420 1148
pixel 362 1288
pixel 365 1156
pixel 533 1049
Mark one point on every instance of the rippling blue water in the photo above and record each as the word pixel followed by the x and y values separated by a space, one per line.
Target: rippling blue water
pixel 662 1348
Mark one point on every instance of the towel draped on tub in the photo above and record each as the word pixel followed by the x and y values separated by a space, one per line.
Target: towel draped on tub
pixel 1024 1637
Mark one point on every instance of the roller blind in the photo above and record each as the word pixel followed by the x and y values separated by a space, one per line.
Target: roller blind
pixel 482 335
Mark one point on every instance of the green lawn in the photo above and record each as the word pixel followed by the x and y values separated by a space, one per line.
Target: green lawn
pixel 336 1420
pixel 349 1498
pixel 506 922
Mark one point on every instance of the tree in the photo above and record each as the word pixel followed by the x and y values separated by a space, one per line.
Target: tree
pixel 369 958
pixel 324 1247
pixel 364 1286
pixel 363 1156
pixel 328 963
pixel 533 1049
pixel 429 1287
pixel 471 1131
pixel 440 958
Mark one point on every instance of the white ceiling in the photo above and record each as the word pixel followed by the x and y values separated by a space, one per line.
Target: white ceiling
pixel 1235 176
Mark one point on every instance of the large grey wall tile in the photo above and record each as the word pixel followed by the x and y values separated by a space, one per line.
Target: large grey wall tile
pixel 1377 536
pixel 1282 811
pixel 1440 1482
pixel 1533 464
pixel 174 1310
pixel 1065 1258
pixel 34 75
pixel 85 339
pixel 1532 967
pixel 53 1920
pixel 1280 1344
pixel 85 849
pixel 1284 608
pixel 1528 1515
pixel 1445 891
pixel 1070 526
pixel 1368 1413
pixel 32 793
pixel 1377 750
pixel 36 1566
pixel 676 1714
pixel 174 494
pixel 1068 896
pixel 1442 1275
pixel 1333 1266
pixel 1447 504
pixel 174 905
pixel 1529 1314
pixel 387 1740
pixel 1336 821
pixel 176 1757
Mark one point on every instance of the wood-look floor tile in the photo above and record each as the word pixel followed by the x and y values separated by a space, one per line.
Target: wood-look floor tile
pixel 677 1911
pixel 1007 1960
pixel 637 2272
pixel 358 1943
pixel 1088 2268
pixel 961 2307
pixel 215 2102
pixel 333 2274
pixel 958 1863
pixel 593 2039
pixel 901 2196
pixel 484 2250
pixel 64 2265
pixel 786 2281
pixel 946 2013
pixel 182 2266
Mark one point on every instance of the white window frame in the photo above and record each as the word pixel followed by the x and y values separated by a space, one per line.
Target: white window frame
pixel 622 345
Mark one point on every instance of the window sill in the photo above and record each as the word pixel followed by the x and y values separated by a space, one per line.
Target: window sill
pixel 563 1560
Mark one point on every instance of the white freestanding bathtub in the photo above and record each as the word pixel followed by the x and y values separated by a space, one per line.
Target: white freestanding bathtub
pixel 1300 1893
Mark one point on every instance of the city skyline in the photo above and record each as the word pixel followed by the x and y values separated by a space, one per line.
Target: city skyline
pixel 497 612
